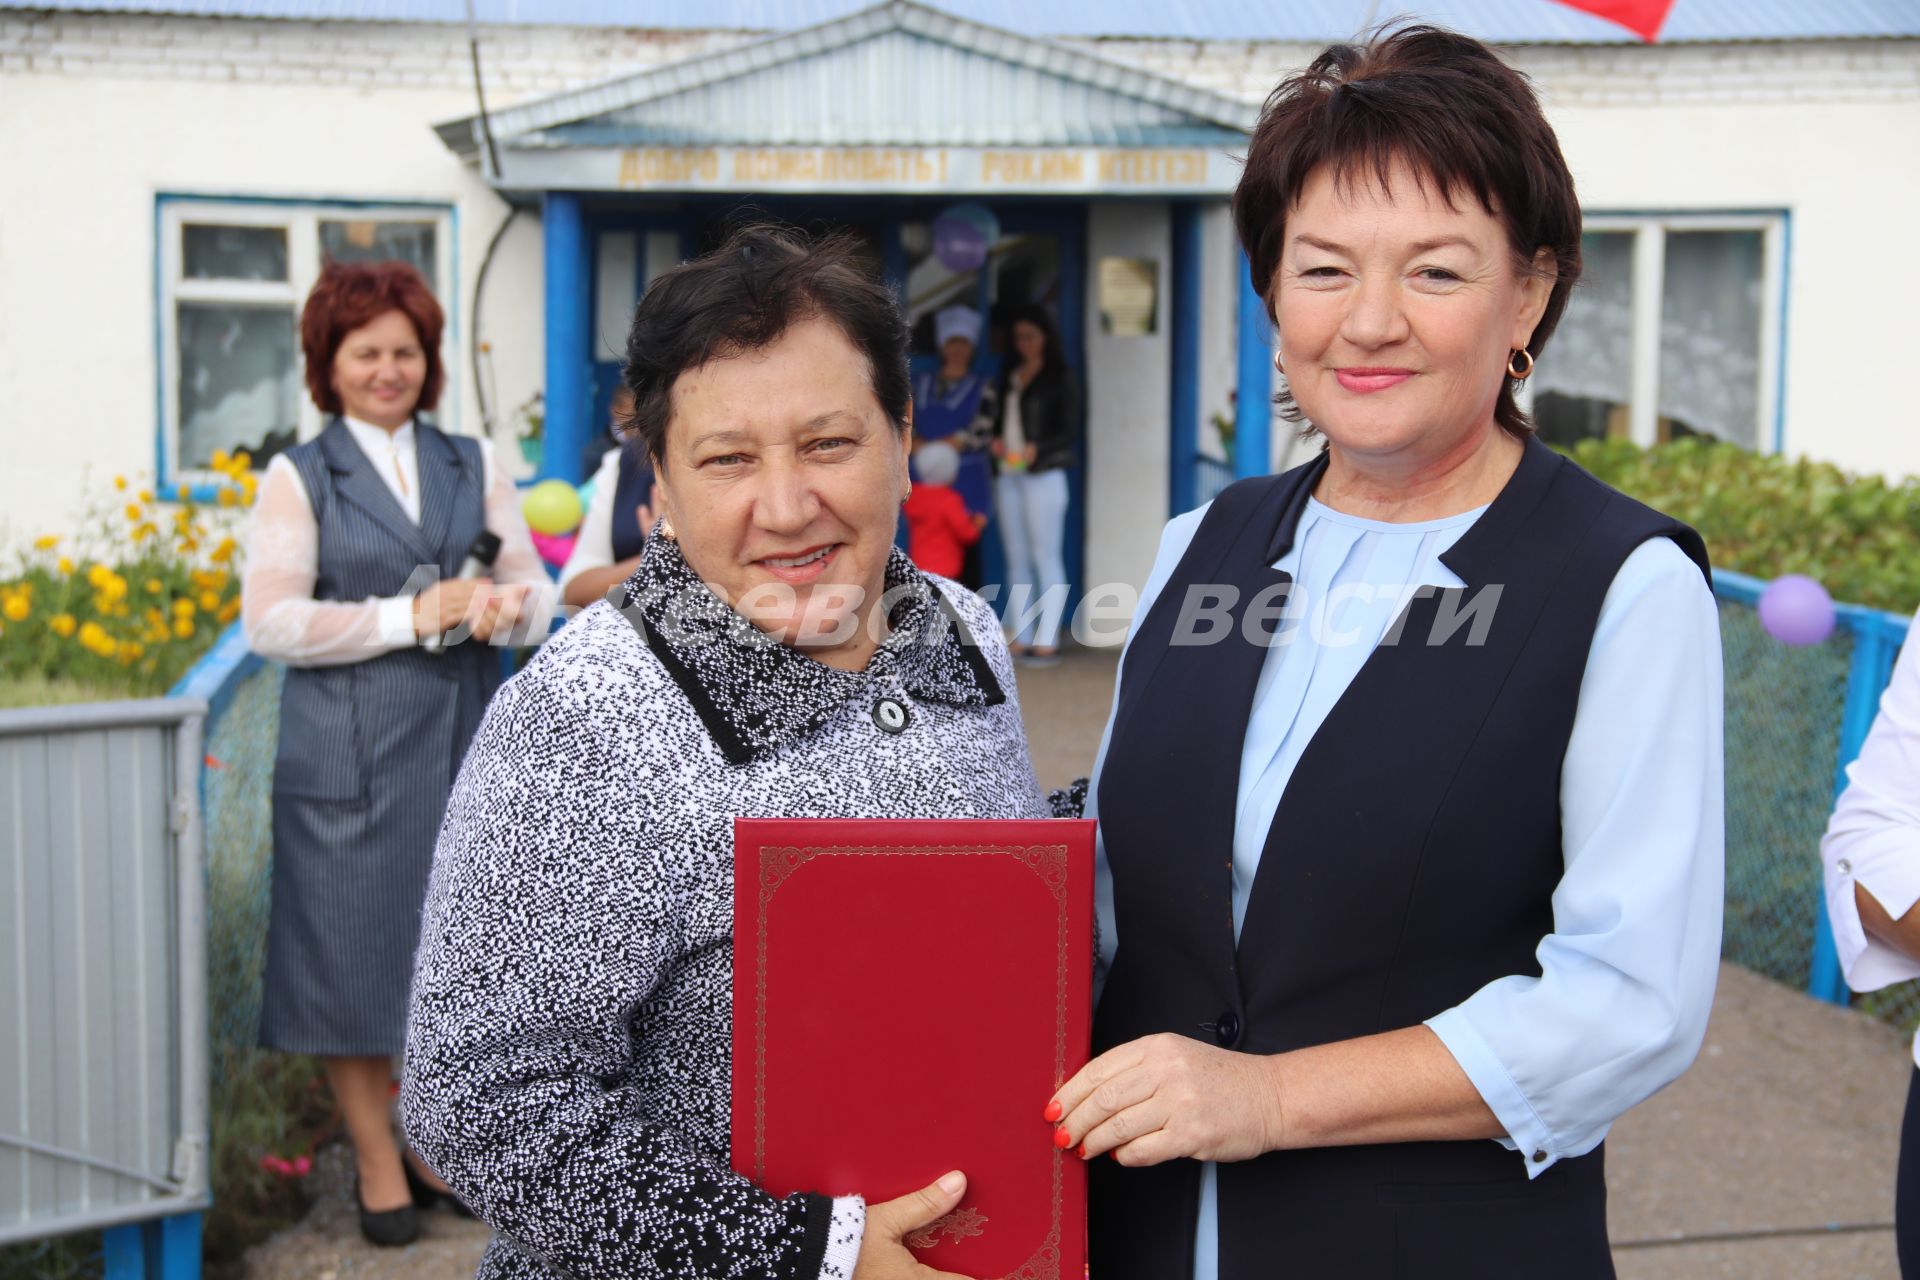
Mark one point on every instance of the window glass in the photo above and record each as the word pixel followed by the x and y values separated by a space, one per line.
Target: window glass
pixel 239 381
pixel 1585 376
pixel 233 253
pixel 1710 335
pixel 368 240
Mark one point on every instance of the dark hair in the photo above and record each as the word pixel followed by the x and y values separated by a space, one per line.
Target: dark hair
pixel 351 295
pixel 1445 106
pixel 1055 361
pixel 741 298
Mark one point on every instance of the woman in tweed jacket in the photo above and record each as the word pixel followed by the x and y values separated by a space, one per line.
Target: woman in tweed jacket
pixel 568 1064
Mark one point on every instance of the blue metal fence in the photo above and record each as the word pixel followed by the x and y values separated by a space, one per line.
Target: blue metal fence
pixel 1789 713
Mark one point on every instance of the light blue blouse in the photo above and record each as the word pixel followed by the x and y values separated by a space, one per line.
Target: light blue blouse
pixel 1628 972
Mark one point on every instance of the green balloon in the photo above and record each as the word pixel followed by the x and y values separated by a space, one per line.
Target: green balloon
pixel 552 506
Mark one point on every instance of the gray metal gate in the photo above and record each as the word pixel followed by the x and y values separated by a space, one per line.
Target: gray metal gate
pixel 103 1014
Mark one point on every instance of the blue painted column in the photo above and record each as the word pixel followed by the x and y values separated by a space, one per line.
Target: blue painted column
pixel 1183 414
pixel 1253 401
pixel 164 1249
pixel 569 390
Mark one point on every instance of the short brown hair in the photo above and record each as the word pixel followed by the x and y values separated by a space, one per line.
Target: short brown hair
pixel 350 295
pixel 1444 105
pixel 743 297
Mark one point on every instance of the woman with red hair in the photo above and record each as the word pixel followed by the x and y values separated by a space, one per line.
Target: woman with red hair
pixel 356 538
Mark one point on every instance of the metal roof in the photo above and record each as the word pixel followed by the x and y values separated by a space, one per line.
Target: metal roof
pixel 896 74
pixel 1303 21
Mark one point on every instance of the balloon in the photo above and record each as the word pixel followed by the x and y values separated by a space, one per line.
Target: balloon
pixel 1796 610
pixel 552 506
pixel 962 234
pixel 555 548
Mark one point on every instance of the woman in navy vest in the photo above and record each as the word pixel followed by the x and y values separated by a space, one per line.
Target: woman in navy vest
pixel 350 561
pixel 1411 797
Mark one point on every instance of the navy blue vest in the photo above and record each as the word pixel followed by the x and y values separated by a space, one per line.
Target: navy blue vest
pixel 1412 860
pixel 634 487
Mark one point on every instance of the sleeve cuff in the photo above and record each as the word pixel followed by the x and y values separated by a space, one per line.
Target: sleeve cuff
pixel 844 1233
pixel 1527 1133
pixel 396 622
pixel 1868 965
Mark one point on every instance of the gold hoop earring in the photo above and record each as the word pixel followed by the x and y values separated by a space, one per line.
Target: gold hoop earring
pixel 1278 367
pixel 1520 374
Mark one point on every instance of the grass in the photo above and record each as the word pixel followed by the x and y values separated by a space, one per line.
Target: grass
pixel 35 690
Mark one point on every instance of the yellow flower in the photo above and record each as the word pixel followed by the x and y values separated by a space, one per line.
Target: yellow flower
pixel 228 497
pixel 47 542
pixel 62 624
pixel 209 602
pixel 134 511
pixel 64 566
pixel 183 608
pixel 120 483
pixel 242 460
pixel 17 608
pixel 155 586
pixel 93 635
pixel 229 611
pixel 141 532
pixel 224 552
pixel 184 493
pixel 221 459
pixel 183 627
pixel 98 574
pixel 146 495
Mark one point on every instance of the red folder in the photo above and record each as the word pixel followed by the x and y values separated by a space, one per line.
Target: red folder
pixel 907 995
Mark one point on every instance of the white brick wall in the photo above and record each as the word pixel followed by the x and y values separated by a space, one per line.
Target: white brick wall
pixel 518 62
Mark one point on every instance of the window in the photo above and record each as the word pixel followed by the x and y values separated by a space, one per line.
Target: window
pixel 1674 330
pixel 233 276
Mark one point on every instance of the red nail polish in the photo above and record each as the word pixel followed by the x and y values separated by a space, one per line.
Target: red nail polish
pixel 1082 1153
pixel 1062 1139
pixel 1052 1113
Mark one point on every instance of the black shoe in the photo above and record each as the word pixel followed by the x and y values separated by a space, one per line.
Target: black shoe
pixel 389 1228
pixel 424 1196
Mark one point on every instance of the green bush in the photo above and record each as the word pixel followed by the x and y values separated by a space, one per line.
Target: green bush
pixel 1765 515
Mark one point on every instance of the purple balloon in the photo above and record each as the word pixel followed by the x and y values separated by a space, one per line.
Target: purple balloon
pixel 1796 610
pixel 959 243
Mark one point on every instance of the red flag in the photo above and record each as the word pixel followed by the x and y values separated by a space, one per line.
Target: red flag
pixel 1642 17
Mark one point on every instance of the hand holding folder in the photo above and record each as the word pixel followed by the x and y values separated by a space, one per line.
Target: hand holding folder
pixel 907 997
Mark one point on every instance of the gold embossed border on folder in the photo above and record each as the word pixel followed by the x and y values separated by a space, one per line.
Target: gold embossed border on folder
pixel 1047 861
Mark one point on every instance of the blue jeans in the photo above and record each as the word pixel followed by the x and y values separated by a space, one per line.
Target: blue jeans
pixel 1033 528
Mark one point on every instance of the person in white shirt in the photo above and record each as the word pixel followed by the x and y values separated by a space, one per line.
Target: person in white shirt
pixel 1872 856
pixel 354 545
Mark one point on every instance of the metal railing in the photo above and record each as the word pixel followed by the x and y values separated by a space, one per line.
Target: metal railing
pixel 1796 718
pixel 103 1075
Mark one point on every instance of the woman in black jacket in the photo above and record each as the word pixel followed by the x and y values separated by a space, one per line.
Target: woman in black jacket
pixel 1034 430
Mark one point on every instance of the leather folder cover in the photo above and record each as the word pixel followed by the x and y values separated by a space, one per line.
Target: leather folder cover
pixel 907 996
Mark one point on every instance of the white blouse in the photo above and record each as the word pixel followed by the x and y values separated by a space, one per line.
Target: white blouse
pixel 1873 839
pixel 282 619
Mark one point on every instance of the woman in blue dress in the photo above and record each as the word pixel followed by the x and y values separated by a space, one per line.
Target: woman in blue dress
pixel 1410 803
pixel 954 403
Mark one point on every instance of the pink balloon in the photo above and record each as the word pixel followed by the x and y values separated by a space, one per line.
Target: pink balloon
pixel 1796 610
pixel 554 548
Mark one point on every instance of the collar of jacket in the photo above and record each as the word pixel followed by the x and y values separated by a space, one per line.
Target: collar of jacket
pixel 755 694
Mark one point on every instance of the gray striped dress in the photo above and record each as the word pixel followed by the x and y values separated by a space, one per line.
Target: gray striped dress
pixel 367 754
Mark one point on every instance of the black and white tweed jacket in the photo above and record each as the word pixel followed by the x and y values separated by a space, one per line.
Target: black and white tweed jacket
pixel 568 1054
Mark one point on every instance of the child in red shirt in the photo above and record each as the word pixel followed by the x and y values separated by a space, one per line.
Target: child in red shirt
pixel 939 528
